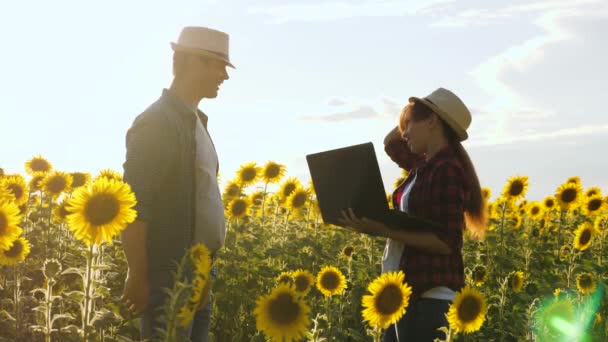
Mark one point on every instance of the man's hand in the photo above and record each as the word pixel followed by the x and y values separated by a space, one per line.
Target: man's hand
pixel 136 293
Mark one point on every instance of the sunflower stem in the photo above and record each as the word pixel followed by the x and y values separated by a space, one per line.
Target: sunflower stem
pixel 264 201
pixel 87 295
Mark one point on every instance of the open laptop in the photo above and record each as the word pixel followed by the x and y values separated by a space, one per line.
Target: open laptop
pixel 349 177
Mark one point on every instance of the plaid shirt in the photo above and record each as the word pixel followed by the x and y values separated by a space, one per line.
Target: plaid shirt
pixel 439 195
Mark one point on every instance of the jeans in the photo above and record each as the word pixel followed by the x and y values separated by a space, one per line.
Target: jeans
pixel 420 323
pixel 198 330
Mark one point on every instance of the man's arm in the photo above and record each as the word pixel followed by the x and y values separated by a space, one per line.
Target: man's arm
pixel 137 288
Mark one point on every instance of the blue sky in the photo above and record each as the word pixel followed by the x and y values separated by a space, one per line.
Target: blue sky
pixel 312 76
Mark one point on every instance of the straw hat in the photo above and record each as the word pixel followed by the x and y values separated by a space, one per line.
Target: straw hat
pixel 205 42
pixel 450 109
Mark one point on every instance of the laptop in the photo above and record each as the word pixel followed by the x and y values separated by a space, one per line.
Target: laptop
pixel 349 177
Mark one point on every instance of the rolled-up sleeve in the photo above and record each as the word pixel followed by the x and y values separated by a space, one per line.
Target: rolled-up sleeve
pixel 150 152
pixel 447 198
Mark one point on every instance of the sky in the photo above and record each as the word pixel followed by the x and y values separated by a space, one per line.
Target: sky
pixel 315 75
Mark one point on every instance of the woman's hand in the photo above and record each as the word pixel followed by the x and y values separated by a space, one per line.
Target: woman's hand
pixel 363 225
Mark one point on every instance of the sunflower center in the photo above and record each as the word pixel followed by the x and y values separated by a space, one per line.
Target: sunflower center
pixel 299 200
pixel 302 283
pixel 289 188
pixel 16 190
pixel 591 193
pixel 3 223
pixel 348 251
pixel 56 185
pixel 569 195
pixel 232 190
pixel 585 281
pixel 248 174
pixel 283 309
pixel 272 171
pixel 39 165
pixel 78 179
pixel 389 300
pixel 594 204
pixel 469 309
pixel 585 237
pixel 63 211
pixel 35 182
pixel 330 281
pixel 479 274
pixel 549 203
pixel 516 188
pixel 535 210
pixel 238 208
pixel 101 209
pixel 15 250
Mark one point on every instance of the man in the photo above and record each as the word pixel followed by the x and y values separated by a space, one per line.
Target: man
pixel 171 165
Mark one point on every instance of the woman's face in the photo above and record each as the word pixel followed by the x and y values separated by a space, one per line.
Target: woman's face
pixel 416 133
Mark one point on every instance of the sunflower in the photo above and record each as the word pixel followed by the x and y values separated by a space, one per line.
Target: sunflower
pixel 585 282
pixel 348 251
pixel 56 183
pixel 232 190
pixel 51 268
pixel 467 311
pixel 568 195
pixel 272 172
pixel 285 277
pixel 80 179
pixel 592 205
pixel 600 223
pixel 16 253
pixel 583 236
pixel 486 193
pixel 549 202
pixel 593 191
pixel 9 220
pixel 289 186
pixel 282 315
pixel 574 180
pixel 61 212
pixel 185 315
pixel 248 174
pixel 109 175
pixel 237 208
pixel 389 298
pixel 303 281
pixel 479 275
pixel 330 281
pixel 37 164
pixel 516 187
pixel 35 183
pixel 535 210
pixel 15 185
pixel 201 259
pixel 101 210
pixel 256 198
pixel 297 199
pixel 516 281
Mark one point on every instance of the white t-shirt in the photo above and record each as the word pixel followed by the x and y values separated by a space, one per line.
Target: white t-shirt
pixel 210 223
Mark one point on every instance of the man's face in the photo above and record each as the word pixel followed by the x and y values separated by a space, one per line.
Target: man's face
pixel 207 75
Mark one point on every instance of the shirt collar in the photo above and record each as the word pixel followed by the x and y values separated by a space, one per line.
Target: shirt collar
pixel 445 153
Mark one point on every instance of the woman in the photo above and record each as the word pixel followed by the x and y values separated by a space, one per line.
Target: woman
pixel 443 188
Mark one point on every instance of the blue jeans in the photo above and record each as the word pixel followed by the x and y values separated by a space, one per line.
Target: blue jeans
pixel 198 330
pixel 420 323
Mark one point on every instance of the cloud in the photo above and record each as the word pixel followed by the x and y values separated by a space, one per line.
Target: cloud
pixel 580 131
pixel 337 10
pixel 336 102
pixel 361 112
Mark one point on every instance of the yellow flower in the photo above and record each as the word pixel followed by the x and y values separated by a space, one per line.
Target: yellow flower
pixel 201 259
pixel 15 185
pixel 585 282
pixel 583 236
pixel 568 195
pixel 479 275
pixel 9 221
pixel 303 281
pixel 273 172
pixel 388 301
pixel 248 174
pixel 80 179
pixel 535 210
pixel 232 190
pixel 61 212
pixel 600 223
pixel 56 183
pixel 593 191
pixel 549 203
pixel 256 198
pixel 516 187
pixel 574 180
pixel 282 315
pixel 289 186
pixel 330 281
pixel 38 164
pixel 101 211
pixel 237 208
pixel 467 311
pixel 35 183
pixel 185 315
pixel 16 253
pixel 517 221
pixel 109 175
pixel 285 277
pixel 297 199
pixel 516 281
pixel 348 251
pixel 592 205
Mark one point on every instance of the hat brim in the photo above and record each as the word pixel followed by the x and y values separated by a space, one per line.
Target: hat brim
pixel 202 52
pixel 461 133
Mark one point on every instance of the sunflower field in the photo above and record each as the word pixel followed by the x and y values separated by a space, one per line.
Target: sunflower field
pixel 283 275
